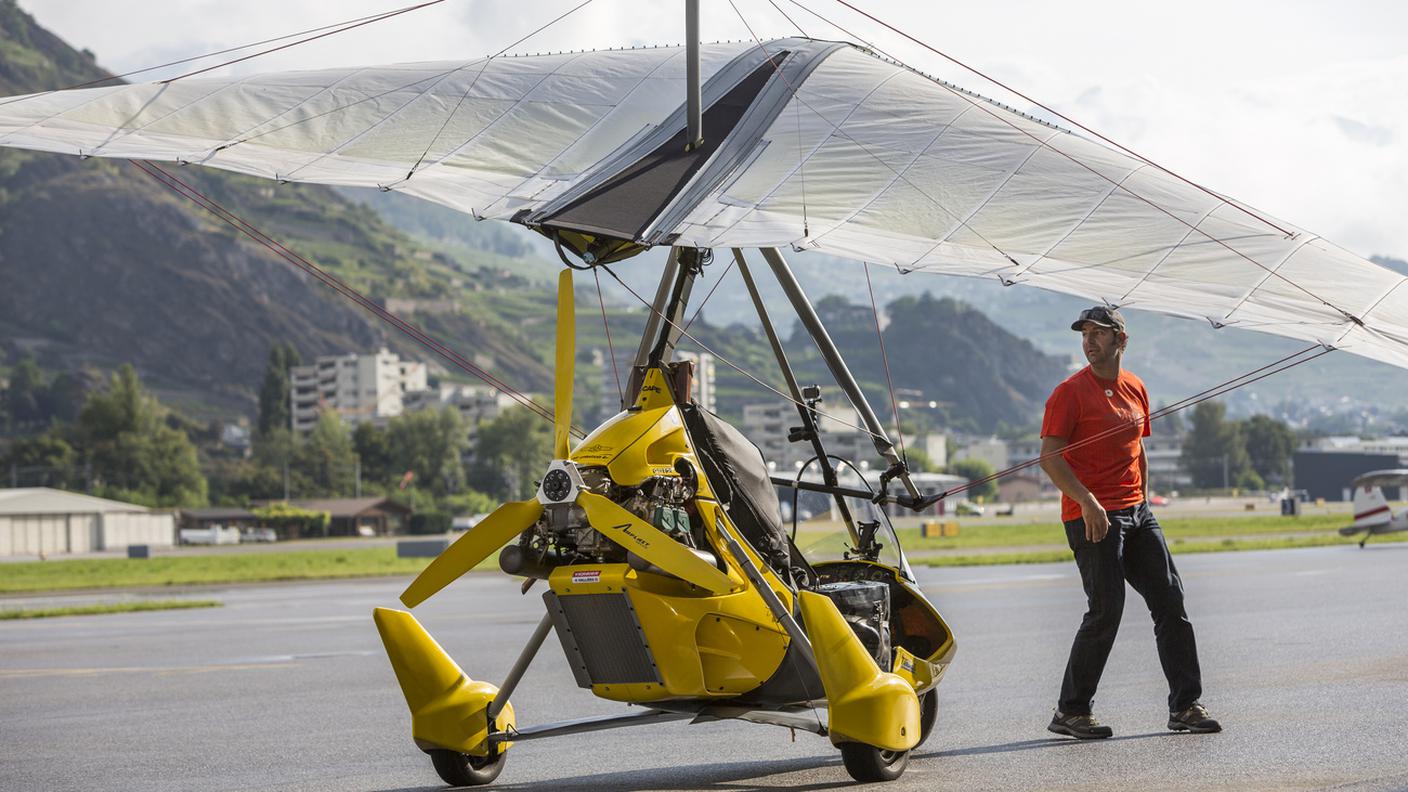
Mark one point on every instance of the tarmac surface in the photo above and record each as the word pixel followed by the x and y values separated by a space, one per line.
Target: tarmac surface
pixel 1305 660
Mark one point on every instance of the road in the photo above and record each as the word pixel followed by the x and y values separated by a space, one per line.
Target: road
pixel 1305 656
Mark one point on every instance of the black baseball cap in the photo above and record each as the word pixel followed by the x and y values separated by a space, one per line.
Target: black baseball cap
pixel 1100 315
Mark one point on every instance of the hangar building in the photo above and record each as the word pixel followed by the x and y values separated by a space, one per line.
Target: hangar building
pixel 49 521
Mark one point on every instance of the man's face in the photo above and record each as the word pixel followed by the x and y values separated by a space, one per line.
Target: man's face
pixel 1101 344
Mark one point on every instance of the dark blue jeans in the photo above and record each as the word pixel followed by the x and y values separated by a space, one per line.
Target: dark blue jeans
pixel 1134 550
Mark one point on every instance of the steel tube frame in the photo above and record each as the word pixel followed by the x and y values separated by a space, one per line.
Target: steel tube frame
pixel 691 43
pixel 835 362
pixel 828 472
pixel 657 308
pixel 515 674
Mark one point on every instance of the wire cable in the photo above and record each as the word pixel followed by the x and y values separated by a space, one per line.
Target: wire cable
pixel 889 381
pixel 170 181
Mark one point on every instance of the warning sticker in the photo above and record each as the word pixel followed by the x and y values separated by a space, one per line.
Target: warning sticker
pixel 587 576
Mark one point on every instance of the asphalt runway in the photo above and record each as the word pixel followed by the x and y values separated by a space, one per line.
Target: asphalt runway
pixel 1305 659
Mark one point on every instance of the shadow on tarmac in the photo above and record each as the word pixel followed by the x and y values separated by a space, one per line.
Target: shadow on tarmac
pixel 737 775
pixel 1027 745
pixel 717 776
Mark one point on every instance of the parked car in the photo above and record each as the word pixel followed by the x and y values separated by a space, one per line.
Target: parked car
pixel 968 509
pixel 259 535
pixel 1158 500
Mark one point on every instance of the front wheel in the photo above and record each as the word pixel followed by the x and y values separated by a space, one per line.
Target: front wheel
pixel 459 769
pixel 867 763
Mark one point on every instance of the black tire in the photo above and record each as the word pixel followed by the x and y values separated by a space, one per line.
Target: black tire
pixel 928 715
pixel 458 769
pixel 867 763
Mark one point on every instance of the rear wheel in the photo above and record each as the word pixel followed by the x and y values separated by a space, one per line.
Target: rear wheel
pixel 867 763
pixel 928 714
pixel 459 769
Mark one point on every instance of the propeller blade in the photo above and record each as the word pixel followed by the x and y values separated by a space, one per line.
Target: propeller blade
pixel 648 542
pixel 562 374
pixel 493 532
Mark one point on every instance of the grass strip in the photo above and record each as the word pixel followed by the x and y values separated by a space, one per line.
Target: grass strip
pixel 100 573
pixel 986 535
pixel 112 607
pixel 1176 546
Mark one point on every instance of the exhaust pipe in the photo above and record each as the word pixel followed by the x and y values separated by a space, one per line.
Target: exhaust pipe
pixel 517 561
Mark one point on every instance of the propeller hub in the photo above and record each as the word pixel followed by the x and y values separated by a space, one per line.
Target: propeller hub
pixel 560 484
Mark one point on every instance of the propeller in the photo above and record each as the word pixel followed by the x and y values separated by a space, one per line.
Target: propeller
pixel 562 374
pixel 491 533
pixel 562 484
pixel 510 519
pixel 650 543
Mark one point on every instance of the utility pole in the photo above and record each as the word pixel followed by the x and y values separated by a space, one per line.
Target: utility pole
pixel 357 474
pixel 1225 482
pixel 285 480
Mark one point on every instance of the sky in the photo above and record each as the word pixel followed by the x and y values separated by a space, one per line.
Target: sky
pixel 1297 107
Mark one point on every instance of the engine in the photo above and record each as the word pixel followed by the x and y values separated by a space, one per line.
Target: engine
pixel 563 535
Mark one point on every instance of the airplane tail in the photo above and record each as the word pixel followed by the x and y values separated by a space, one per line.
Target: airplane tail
pixel 1370 509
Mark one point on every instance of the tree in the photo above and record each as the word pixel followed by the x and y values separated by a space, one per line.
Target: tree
pixel 327 458
pixel 509 452
pixel 274 391
pixel 1214 450
pixel 25 395
pixel 919 461
pixel 43 460
pixel 974 469
pixel 373 450
pixel 429 444
pixel 1270 444
pixel 277 450
pixel 134 453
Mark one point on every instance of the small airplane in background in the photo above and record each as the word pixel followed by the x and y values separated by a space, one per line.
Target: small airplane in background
pixel 1372 514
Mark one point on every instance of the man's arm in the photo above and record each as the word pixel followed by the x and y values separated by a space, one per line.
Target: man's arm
pixel 1097 522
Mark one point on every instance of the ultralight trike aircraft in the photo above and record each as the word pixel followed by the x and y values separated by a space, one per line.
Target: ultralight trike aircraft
pixel 671 581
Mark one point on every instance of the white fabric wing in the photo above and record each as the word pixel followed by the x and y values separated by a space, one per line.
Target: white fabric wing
pixel 866 160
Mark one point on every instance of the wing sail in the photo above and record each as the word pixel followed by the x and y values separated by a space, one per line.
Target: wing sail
pixel 842 152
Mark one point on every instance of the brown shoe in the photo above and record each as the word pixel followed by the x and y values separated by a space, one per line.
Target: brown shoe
pixel 1081 727
pixel 1195 719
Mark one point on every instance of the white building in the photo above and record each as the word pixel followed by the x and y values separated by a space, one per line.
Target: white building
pixel 1397 446
pixel 46 521
pixel 476 403
pixel 1165 453
pixel 991 450
pixel 767 426
pixel 360 388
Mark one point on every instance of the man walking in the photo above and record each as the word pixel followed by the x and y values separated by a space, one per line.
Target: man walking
pixel 1102 414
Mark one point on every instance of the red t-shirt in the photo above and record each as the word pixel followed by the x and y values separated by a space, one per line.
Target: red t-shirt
pixel 1085 405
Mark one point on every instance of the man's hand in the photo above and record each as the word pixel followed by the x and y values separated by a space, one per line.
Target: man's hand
pixel 1097 522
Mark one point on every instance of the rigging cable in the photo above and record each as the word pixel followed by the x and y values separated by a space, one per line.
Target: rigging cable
pixel 157 173
pixel 354 24
pixel 1068 120
pixel 838 131
pixel 620 392
pixel 980 103
pixel 1275 367
pixel 889 381
pixel 1190 401
pixel 450 116
pixel 725 360
pixel 348 22
pixel 712 289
